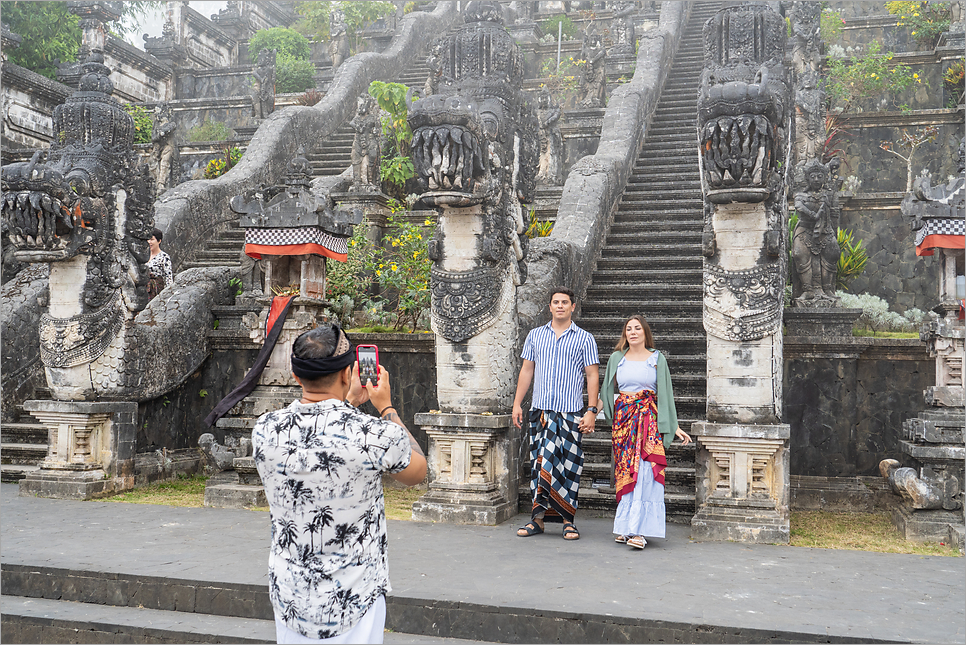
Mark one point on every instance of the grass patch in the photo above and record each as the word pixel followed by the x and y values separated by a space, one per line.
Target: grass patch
pixel 857 532
pixel 188 492
pixel 399 502
pixel 868 333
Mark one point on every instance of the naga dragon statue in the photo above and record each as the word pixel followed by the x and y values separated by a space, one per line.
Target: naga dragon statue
pixel 744 109
pixel 86 208
pixel 475 152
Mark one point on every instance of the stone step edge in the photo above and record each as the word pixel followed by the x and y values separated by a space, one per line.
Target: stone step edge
pixel 429 616
pixel 54 621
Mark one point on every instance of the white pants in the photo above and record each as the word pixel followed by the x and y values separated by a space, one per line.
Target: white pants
pixel 369 629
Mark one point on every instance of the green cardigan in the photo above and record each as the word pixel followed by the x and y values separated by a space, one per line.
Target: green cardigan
pixel 667 415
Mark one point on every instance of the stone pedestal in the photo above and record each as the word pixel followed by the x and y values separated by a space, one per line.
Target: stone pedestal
pixel 373 205
pixel 244 490
pixel 742 483
pixel 621 63
pixel 824 323
pixel 90 449
pixel 473 469
pixel 581 133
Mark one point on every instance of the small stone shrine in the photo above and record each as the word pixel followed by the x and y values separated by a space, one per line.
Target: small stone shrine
pixel 743 136
pixel 475 154
pixel 931 486
pixel 292 232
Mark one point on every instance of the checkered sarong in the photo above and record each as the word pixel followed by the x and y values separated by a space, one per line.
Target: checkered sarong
pixel 556 460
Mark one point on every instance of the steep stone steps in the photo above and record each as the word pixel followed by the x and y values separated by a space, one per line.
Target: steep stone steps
pixel 651 264
pixel 23 445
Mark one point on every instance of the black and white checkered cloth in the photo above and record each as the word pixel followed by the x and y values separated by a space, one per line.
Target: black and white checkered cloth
pixel 557 460
pixel 290 236
pixel 940 227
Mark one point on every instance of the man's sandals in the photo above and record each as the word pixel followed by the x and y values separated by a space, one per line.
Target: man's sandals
pixel 530 528
pixel 570 532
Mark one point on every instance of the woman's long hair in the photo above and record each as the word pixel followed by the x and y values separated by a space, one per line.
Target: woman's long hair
pixel 648 336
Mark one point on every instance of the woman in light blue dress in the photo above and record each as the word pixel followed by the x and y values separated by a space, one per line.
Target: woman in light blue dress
pixel 644 422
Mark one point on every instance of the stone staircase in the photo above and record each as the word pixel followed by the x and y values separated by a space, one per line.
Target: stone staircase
pixel 651 264
pixel 23 443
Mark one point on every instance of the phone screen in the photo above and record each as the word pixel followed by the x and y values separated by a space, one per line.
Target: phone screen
pixel 368 356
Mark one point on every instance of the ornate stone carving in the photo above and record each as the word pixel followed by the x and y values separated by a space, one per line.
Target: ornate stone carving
pixel 743 305
pixel 67 342
pixel 475 151
pixel 551 141
pixel 943 491
pixel 592 92
pixel 165 152
pixel 622 28
pixel 264 75
pixel 338 37
pixel 365 145
pixel 815 248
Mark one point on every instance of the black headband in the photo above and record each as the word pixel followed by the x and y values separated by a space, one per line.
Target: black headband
pixel 316 368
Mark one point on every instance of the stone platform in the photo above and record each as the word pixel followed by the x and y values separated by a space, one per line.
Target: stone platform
pixel 191 567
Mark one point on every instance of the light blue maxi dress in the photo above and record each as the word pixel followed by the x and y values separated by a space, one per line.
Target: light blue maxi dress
pixel 640 512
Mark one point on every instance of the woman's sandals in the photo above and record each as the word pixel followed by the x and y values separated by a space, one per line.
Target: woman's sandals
pixel 621 539
pixel 638 542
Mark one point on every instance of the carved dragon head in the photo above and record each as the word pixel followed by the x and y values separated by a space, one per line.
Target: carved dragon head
pixel 742 104
pixel 86 195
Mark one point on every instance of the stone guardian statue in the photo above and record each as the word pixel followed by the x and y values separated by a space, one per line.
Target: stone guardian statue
pixel 593 80
pixel 365 146
pixel 264 74
pixel 551 141
pixel 338 38
pixel 815 248
pixel 165 153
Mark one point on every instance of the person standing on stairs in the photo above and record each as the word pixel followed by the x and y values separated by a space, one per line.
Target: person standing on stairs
pixel 160 274
pixel 644 422
pixel 557 358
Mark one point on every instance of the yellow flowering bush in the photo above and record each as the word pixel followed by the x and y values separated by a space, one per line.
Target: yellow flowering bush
pixel 399 265
pixel 867 76
pixel 926 20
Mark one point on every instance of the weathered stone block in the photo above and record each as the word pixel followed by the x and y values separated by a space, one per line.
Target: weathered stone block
pixel 473 469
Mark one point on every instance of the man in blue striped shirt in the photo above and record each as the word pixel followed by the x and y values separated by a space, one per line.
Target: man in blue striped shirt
pixel 557 357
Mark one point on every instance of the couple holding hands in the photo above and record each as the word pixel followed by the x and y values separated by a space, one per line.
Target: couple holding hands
pixel 637 400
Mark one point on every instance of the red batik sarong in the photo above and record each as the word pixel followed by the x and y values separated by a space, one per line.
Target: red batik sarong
pixel 635 437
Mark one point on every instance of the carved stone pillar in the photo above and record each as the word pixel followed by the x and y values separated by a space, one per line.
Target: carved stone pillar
pixel 743 137
pixel 473 474
pixel 90 449
pixel 475 152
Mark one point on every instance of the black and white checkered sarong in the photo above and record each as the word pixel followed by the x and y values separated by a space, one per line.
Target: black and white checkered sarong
pixel 556 459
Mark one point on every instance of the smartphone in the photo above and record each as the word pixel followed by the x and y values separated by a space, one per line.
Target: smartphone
pixel 368 357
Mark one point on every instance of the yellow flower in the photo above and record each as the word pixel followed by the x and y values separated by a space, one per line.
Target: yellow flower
pixel 381 265
pixel 427 223
pixel 395 268
pixel 915 75
pixel 378 273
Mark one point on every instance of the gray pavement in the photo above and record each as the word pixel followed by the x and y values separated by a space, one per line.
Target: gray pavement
pixel 843 594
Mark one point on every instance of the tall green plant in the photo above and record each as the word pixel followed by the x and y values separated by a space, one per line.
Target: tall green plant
pixel 143 123
pixel 852 259
pixel 396 168
pixel 926 20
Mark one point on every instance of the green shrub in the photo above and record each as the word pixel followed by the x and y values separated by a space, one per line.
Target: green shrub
pixel 143 123
pixel 218 167
pixel 210 131
pixel 568 31
pixel 395 168
pixel 536 228
pixel 831 23
pixel 867 76
pixel 283 40
pixel 926 20
pixel 293 74
pixel 852 259
pixel 876 316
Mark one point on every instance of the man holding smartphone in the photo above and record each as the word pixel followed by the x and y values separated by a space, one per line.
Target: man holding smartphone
pixel 321 461
pixel 557 357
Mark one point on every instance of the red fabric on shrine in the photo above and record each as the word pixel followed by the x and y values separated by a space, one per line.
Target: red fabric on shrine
pixel 255 251
pixel 931 242
pixel 278 304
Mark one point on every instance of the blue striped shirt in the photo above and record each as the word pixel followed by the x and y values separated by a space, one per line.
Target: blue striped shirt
pixel 558 374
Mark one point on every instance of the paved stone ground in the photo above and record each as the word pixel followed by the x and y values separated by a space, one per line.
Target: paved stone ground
pixel 842 594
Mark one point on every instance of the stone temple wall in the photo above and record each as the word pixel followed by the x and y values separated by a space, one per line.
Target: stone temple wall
pixel 846 411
